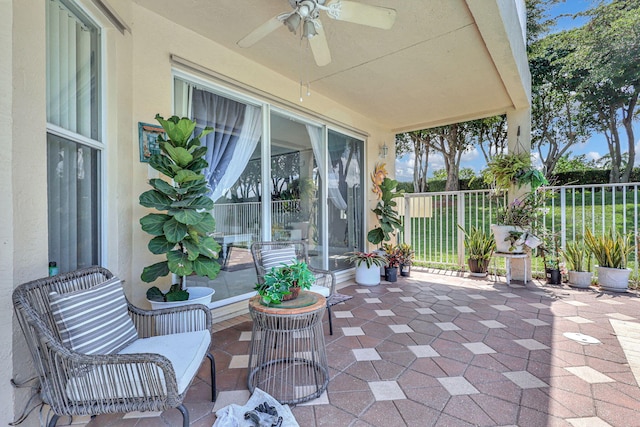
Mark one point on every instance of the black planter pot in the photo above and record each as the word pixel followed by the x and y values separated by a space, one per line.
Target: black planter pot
pixel 553 276
pixel 405 270
pixel 391 274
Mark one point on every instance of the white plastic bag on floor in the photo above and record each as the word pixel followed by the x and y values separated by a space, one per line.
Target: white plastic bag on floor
pixel 234 415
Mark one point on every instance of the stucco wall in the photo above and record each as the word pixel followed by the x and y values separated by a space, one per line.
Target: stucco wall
pixel 155 39
pixel 6 214
pixel 138 84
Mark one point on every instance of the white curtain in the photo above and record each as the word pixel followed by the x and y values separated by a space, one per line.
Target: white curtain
pixel 315 135
pixel 72 168
pixel 247 142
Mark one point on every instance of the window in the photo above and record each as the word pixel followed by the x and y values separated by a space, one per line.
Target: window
pixel 73 137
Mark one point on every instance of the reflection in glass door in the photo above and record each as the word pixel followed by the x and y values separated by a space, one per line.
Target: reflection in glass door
pixel 296 186
pixel 345 189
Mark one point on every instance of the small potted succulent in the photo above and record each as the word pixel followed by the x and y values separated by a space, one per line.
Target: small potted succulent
pixel 367 267
pixel 284 283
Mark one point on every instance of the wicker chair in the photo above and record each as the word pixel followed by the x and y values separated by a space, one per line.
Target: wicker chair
pixel 325 280
pixel 81 384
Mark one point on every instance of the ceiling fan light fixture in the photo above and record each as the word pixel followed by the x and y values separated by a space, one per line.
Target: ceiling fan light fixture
pixel 309 29
pixel 292 22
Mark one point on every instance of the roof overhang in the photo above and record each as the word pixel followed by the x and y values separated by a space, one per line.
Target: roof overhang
pixel 442 62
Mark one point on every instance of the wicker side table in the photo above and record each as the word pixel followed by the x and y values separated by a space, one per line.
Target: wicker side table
pixel 287 357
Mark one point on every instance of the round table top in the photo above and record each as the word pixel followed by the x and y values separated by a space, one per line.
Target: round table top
pixel 306 302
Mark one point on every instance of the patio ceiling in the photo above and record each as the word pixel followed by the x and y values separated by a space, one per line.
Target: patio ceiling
pixel 442 62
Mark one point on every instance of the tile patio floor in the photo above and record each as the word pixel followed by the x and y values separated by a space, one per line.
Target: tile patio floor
pixel 438 349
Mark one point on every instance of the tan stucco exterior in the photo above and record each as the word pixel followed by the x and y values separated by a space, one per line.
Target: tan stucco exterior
pixel 138 84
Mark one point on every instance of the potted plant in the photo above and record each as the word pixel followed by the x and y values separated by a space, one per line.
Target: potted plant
pixel 611 251
pixel 367 267
pixel 285 283
pixel 517 219
pixel 393 262
pixel 516 223
pixel 479 246
pixel 388 219
pixel 183 227
pixel 578 258
pixel 513 170
pixel 551 256
pixel 407 254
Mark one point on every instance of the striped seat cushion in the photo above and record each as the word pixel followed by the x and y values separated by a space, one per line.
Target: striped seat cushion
pixel 94 320
pixel 278 257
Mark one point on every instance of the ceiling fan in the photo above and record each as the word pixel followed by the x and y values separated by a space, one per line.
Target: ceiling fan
pixel 306 18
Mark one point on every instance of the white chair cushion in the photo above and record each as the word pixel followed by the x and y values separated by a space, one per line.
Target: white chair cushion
pixel 185 351
pixel 322 290
pixel 278 257
pixel 94 320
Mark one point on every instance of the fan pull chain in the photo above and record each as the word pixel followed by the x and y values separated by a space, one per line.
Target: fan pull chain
pixel 304 70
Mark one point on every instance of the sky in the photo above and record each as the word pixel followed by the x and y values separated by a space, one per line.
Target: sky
pixel 593 149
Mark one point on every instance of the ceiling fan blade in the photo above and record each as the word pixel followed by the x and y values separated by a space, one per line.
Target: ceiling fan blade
pixel 320 48
pixel 262 31
pixel 364 14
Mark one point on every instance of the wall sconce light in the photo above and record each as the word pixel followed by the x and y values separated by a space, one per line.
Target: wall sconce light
pixel 383 150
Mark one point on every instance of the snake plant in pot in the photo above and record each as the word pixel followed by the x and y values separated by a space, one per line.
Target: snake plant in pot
pixel 578 258
pixel 479 246
pixel 611 251
pixel 183 226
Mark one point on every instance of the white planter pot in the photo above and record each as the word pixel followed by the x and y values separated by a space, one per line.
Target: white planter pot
pixel 613 279
pixel 580 279
pixel 368 276
pixel 501 234
pixel 197 295
pixel 532 241
pixel 383 253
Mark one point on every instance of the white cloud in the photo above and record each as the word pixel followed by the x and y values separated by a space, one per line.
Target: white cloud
pixel 470 155
pixel 404 167
pixel 593 155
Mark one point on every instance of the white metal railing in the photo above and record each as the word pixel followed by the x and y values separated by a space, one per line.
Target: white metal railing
pixel 245 217
pixel 431 219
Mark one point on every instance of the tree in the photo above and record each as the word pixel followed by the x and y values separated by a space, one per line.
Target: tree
pixel 559 119
pixel 538 22
pixel 606 61
pixel 452 141
pixel 573 164
pixel 491 135
pixel 418 142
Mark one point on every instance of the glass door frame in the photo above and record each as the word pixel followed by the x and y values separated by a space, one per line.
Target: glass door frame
pixel 266 179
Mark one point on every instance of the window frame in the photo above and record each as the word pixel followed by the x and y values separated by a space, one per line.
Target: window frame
pixel 87 14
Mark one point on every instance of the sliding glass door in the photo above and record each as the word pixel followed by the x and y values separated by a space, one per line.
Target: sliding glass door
pixel 345 208
pixel 310 188
pixel 296 183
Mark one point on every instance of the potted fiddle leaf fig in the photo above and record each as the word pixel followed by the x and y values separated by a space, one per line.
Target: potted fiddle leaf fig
pixel 183 226
pixel 389 220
